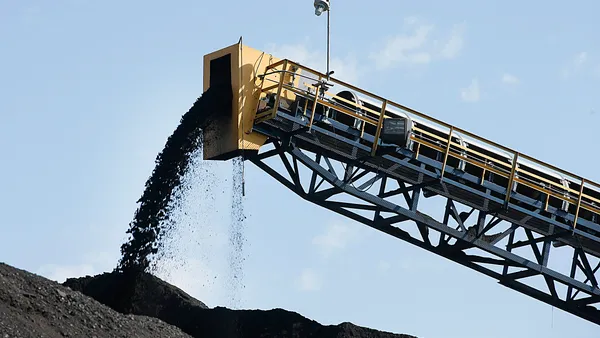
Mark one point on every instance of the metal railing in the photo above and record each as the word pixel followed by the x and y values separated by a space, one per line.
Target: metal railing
pixel 287 82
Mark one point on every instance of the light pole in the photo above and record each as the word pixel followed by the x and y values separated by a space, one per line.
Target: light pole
pixel 320 7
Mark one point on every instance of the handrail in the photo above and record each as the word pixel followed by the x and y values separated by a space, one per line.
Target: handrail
pixel 569 195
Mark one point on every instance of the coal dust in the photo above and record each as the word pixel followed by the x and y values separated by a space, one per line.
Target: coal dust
pixel 236 234
pixel 177 232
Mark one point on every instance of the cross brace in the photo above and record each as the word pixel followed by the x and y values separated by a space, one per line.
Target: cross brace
pixel 493 243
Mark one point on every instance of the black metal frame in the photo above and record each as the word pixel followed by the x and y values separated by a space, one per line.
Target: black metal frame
pixel 493 241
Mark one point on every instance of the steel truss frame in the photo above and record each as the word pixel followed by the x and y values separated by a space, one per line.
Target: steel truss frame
pixel 514 255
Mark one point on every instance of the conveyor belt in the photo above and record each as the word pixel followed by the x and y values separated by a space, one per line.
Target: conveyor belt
pixel 322 140
pixel 441 162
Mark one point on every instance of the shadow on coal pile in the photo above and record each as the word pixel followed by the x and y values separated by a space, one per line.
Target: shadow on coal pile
pixel 150 296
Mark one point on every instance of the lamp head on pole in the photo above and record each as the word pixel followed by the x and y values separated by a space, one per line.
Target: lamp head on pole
pixel 321 6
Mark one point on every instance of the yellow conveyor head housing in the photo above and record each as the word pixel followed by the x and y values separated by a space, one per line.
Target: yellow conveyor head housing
pixel 240 66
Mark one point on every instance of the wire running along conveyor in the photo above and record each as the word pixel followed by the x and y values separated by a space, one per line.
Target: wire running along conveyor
pixel 546 209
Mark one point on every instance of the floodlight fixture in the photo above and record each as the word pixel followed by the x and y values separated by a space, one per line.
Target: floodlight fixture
pixel 321 6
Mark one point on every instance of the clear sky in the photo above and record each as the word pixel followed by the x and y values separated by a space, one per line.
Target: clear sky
pixel 90 91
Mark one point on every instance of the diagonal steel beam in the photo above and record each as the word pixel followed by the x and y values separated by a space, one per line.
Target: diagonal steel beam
pixel 418 217
pixel 503 258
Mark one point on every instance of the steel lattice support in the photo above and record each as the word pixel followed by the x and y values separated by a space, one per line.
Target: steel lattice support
pixel 515 256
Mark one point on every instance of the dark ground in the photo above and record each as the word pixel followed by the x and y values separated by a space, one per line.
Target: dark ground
pixel 32 306
pixel 156 298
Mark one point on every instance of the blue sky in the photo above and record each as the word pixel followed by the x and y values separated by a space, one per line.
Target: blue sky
pixel 90 91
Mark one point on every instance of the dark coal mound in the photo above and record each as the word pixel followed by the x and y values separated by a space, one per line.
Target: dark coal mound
pixel 33 306
pixel 154 297
pixel 171 166
pixel 149 295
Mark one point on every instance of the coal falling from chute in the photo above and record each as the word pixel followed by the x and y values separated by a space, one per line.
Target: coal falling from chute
pixel 153 231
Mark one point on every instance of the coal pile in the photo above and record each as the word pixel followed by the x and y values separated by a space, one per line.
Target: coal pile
pixel 150 295
pixel 154 297
pixel 32 306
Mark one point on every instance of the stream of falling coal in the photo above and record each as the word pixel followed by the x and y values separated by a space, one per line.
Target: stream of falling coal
pixel 162 230
pixel 236 235
pixel 202 249
pixel 172 164
pixel 189 246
